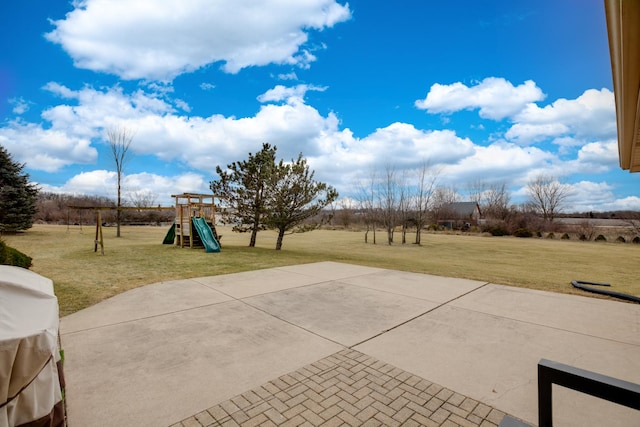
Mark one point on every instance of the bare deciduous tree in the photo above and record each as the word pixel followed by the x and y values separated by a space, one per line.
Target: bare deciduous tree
pixel 347 207
pixel 405 214
pixel 547 195
pixel 496 202
pixel 493 199
pixel 389 201
pixel 442 198
pixel 120 139
pixel 142 199
pixel 426 184
pixel 332 209
pixel 367 199
pixel 586 229
pixel 477 191
pixel 634 223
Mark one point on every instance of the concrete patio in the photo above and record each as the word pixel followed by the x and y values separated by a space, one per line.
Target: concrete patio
pixel 338 344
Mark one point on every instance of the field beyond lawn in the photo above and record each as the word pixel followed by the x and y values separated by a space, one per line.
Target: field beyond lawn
pixel 83 277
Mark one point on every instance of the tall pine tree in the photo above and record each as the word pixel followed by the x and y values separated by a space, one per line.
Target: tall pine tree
pixel 244 185
pixel 295 196
pixel 17 195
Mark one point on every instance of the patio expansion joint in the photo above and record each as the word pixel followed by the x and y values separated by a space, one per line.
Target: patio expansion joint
pixel 243 301
pixel 420 315
pixel 342 277
pixel 124 322
pixel 321 282
pixel 291 323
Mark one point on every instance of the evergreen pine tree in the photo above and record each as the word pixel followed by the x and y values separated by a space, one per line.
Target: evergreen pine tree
pixel 244 187
pixel 17 195
pixel 294 196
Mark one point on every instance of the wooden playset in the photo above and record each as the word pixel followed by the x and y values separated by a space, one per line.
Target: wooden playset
pixel 195 221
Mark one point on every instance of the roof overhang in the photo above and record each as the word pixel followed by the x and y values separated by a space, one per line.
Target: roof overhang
pixel 623 27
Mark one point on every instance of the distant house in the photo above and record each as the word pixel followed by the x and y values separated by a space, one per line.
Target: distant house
pixel 460 215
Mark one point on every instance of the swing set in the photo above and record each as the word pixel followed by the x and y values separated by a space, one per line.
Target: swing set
pixel 99 240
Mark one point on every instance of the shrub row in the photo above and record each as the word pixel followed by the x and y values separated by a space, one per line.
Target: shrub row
pixel 12 256
pixel 500 230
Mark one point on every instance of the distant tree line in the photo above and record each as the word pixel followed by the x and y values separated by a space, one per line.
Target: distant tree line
pixel 54 208
pixel 410 201
pixel 403 202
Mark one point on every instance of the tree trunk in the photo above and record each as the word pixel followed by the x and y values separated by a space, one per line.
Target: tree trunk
pixel 254 233
pixel 280 237
pixel 418 235
pixel 254 228
pixel 118 212
pixel 257 203
pixel 118 222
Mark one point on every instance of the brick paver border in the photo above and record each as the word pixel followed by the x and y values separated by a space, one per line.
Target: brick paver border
pixel 348 388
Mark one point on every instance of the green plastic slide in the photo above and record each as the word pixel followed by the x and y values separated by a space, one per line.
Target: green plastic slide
pixel 171 235
pixel 206 235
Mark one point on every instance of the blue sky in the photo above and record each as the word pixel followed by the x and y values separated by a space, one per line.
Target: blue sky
pixel 494 91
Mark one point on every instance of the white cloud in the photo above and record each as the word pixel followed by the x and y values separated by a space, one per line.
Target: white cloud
pixel 60 90
pixel 182 105
pixel 207 86
pixel 585 196
pixel 204 142
pixel 160 39
pixel 98 182
pixel 598 156
pixel 407 145
pixel 97 109
pixel 283 93
pixel 567 123
pixel 496 98
pixel 163 88
pixel 526 133
pixel 631 203
pixel 71 127
pixel 565 142
pixel 198 142
pixel 164 186
pixel 590 116
pixel 500 162
pixel 20 106
pixel 288 76
pixel 344 159
pixel 45 149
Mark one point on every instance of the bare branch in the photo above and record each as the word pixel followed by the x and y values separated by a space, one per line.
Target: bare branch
pixel 120 139
pixel 547 195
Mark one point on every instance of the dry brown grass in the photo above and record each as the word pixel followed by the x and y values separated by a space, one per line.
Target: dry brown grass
pixel 83 277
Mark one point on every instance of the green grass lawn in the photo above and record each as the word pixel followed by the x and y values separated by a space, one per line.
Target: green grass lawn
pixel 83 277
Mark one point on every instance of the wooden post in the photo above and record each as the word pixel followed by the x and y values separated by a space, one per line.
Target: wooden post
pixel 181 228
pixel 99 239
pixel 95 241
pixel 189 207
